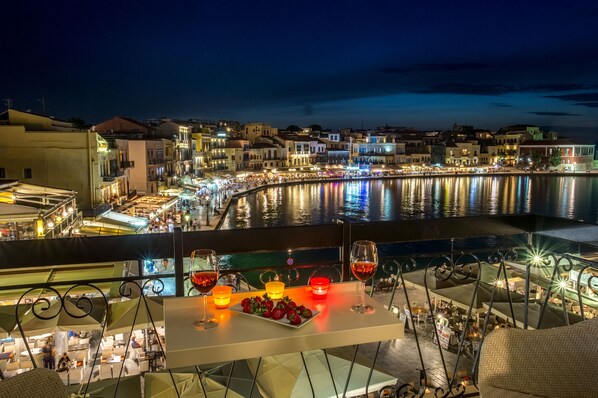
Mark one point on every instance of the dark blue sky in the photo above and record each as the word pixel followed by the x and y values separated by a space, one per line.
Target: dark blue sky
pixel 336 63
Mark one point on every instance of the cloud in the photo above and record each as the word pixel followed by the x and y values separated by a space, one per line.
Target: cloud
pixel 581 97
pixel 498 89
pixel 589 100
pixel 592 104
pixel 441 67
pixel 308 110
pixel 555 113
pixel 466 89
pixel 501 105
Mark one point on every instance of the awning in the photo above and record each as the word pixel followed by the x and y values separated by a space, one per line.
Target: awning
pixel 119 219
pixel 80 272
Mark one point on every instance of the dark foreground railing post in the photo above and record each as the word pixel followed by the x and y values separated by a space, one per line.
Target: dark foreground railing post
pixel 179 273
pixel 346 249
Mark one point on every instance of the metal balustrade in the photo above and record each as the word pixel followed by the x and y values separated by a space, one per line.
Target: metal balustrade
pixel 458 253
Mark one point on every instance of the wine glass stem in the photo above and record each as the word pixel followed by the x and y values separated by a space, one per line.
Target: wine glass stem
pixel 362 294
pixel 205 308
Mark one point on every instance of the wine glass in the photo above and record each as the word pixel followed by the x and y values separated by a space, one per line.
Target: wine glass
pixel 203 275
pixel 364 262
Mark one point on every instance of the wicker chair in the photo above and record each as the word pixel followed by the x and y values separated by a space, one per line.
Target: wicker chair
pixel 558 362
pixel 36 383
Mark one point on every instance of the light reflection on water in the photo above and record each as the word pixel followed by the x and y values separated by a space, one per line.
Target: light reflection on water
pixel 417 198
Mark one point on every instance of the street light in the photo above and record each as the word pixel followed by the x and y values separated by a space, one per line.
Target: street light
pixel 207 199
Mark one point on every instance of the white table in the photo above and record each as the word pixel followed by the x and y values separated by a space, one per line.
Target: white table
pixel 239 336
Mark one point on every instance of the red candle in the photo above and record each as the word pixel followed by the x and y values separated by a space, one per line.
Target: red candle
pixel 319 287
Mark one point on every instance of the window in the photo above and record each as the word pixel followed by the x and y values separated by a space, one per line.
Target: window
pixel 27 173
pixel 2 172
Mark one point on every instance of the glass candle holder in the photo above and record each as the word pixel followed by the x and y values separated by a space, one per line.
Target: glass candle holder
pixel 319 287
pixel 275 290
pixel 221 295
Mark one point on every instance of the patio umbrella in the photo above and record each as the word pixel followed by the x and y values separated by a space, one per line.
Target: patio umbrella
pixel 33 325
pixel 159 385
pixel 122 313
pixel 461 295
pixel 8 321
pixel 285 376
pixel 489 272
pixel 129 387
pixel 553 316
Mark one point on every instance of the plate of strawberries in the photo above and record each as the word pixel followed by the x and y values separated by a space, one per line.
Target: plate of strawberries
pixel 285 311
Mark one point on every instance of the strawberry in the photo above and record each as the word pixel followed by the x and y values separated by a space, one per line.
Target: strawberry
pixel 247 309
pixel 292 304
pixel 267 313
pixel 295 320
pixel 291 313
pixel 269 304
pixel 245 301
pixel 306 313
pixel 277 313
pixel 300 309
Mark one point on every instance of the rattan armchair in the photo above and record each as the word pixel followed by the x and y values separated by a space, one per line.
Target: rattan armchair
pixel 558 362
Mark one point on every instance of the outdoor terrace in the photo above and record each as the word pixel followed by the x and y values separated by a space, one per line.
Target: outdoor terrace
pixel 546 266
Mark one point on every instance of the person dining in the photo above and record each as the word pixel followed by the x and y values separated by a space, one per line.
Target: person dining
pixel 63 363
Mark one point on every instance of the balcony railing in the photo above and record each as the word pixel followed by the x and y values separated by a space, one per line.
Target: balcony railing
pixel 493 256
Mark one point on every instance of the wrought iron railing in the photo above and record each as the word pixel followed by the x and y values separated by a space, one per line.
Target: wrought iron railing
pixel 441 368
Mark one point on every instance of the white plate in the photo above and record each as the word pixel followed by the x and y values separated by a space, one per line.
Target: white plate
pixel 238 308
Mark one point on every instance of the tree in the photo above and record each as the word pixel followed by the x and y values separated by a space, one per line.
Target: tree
pixel 536 159
pixel 79 123
pixel 293 128
pixel 315 127
pixel 554 159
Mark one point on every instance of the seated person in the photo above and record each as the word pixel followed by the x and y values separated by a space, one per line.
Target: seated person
pixel 63 363
pixel 134 343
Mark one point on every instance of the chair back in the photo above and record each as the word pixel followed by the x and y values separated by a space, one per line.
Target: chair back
pixel 34 384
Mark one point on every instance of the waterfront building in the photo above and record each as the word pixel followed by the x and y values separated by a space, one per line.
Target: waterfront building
pixel 463 153
pixel 374 149
pixel 154 165
pixel 41 150
pixel 561 154
pixel 235 150
pixel 301 150
pixel 507 143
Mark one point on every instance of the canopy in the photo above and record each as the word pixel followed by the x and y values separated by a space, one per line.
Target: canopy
pixel 489 273
pixel 129 387
pixel 80 272
pixel 8 320
pixel 159 385
pixel 33 325
pixel 553 316
pixel 461 295
pixel 121 314
pixel 285 376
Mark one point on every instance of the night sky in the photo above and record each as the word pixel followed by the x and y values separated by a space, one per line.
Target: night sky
pixel 426 64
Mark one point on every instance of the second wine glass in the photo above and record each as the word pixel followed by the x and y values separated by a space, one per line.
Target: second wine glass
pixel 364 262
pixel 203 275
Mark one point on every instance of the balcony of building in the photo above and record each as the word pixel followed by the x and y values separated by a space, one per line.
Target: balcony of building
pixel 449 282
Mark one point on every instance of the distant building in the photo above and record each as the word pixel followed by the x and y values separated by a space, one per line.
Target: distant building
pixel 124 125
pixel 251 131
pixel 40 150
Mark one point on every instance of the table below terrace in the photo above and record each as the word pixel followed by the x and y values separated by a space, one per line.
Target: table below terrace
pixel 239 336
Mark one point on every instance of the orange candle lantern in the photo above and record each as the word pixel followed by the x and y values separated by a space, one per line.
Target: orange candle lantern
pixel 221 295
pixel 319 287
pixel 275 290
